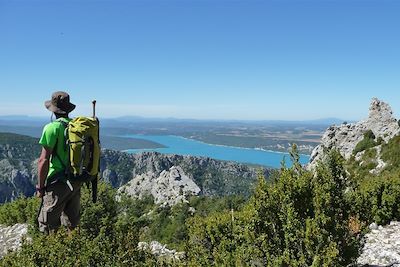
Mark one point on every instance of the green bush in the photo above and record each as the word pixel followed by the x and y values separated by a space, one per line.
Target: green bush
pixel 76 249
pixel 367 142
pixel 21 210
pixel 391 153
pixel 377 199
pixel 106 237
pixel 300 219
pixel 168 224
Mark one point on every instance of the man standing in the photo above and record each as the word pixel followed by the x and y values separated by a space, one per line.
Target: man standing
pixel 60 196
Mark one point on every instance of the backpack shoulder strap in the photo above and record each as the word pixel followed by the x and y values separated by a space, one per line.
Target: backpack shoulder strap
pixel 54 153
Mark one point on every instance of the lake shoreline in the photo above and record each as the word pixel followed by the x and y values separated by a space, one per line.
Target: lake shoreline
pixel 186 146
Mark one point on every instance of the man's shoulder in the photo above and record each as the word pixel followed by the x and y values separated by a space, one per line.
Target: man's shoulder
pixel 52 125
pixel 53 128
pixel 56 124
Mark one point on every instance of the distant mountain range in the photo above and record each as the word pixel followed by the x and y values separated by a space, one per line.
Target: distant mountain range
pixel 21 120
pixel 274 135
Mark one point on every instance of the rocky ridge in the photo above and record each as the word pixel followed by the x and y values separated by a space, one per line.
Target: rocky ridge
pixel 213 177
pixel 168 188
pixel 346 136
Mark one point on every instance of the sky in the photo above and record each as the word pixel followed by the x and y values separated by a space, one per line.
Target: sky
pixel 201 59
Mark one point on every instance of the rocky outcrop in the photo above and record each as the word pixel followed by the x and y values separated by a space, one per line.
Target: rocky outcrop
pixel 382 246
pixel 169 188
pixel 213 177
pixel 345 137
pixel 11 237
pixel 160 250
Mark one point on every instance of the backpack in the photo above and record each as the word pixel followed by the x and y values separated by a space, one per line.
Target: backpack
pixel 83 144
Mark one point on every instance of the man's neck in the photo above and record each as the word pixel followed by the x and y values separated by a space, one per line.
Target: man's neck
pixel 58 116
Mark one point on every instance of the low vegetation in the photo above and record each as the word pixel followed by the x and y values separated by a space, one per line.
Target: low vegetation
pixel 299 219
pixel 367 142
pixel 376 197
pixel 21 210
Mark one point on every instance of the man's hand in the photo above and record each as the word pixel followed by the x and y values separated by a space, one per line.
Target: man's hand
pixel 40 194
pixel 39 191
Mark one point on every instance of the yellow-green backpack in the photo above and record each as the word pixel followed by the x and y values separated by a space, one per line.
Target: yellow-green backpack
pixel 82 138
pixel 83 145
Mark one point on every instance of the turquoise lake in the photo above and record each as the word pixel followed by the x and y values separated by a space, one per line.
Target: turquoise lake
pixel 183 146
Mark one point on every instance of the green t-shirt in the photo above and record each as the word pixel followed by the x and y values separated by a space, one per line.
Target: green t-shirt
pixel 51 133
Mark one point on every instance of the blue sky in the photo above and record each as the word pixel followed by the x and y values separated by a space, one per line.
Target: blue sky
pixel 290 60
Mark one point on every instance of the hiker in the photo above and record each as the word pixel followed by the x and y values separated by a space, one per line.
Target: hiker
pixel 60 196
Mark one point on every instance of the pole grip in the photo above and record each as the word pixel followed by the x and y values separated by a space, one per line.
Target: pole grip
pixel 94 108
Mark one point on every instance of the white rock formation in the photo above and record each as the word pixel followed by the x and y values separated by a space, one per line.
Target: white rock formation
pixel 169 188
pixel 382 247
pixel 11 237
pixel 345 137
pixel 161 250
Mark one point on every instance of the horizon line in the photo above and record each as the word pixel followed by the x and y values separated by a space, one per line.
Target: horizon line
pixel 10 116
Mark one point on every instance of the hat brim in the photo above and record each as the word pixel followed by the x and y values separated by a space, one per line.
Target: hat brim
pixel 49 105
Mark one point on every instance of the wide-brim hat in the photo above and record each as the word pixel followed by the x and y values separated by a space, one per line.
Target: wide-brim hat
pixel 59 103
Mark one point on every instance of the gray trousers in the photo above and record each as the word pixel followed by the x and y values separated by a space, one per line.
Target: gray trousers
pixel 59 206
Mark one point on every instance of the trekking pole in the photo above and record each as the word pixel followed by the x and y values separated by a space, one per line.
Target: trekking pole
pixel 94 181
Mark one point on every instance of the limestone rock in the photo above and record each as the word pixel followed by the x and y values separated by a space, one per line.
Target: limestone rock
pixel 159 250
pixel 382 247
pixel 168 188
pixel 11 237
pixel 373 226
pixel 110 176
pixel 345 137
pixel 20 179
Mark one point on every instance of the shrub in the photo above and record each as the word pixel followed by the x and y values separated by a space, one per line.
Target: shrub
pixel 377 199
pixel 300 219
pixel 21 210
pixel 391 153
pixel 105 238
pixel 367 142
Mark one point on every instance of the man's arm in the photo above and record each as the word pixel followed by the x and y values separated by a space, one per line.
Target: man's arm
pixel 43 168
